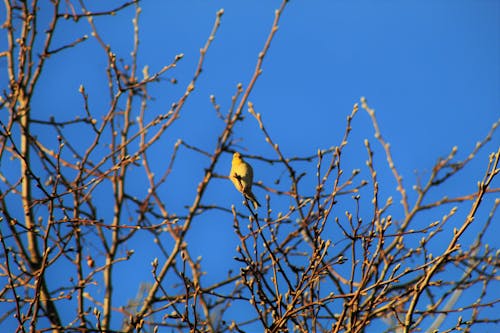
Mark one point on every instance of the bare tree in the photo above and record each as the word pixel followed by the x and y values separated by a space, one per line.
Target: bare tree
pixel 339 259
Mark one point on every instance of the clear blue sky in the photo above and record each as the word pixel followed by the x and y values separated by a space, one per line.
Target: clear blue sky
pixel 431 69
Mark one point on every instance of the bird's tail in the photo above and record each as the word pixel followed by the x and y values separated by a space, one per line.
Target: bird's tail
pixel 250 196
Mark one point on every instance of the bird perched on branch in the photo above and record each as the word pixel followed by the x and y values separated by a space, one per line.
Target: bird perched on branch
pixel 242 177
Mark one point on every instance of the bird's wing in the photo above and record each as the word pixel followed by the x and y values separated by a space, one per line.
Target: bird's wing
pixel 249 174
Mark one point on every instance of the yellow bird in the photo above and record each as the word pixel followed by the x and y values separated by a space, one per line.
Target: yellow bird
pixel 242 178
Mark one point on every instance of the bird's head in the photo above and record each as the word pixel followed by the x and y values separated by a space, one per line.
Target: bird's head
pixel 236 156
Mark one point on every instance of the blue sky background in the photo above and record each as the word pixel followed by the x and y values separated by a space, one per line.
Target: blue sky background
pixel 431 69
